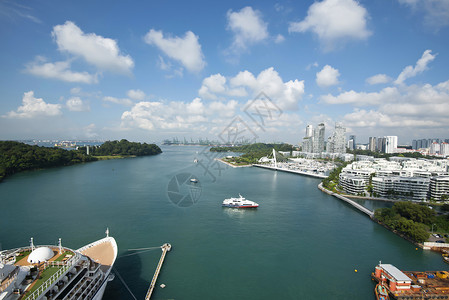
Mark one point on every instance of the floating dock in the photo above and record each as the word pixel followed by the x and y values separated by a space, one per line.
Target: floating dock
pixel 412 285
pixel 165 248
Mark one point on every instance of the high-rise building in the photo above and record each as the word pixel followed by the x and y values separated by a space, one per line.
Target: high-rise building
pixel 391 143
pixel 351 142
pixel 307 144
pixel 435 148
pixel 372 143
pixel 444 149
pixel 381 144
pixel 309 130
pixel 318 138
pixel 337 142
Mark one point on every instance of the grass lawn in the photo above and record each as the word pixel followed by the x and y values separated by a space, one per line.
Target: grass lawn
pixel 44 277
pixel 61 257
pixel 22 255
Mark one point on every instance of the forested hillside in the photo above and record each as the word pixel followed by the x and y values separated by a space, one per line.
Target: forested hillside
pixel 16 157
pixel 123 147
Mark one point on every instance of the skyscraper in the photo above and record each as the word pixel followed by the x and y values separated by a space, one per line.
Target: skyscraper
pixel 435 148
pixel 309 130
pixel 337 142
pixel 372 143
pixel 318 138
pixel 381 144
pixel 391 143
pixel 351 142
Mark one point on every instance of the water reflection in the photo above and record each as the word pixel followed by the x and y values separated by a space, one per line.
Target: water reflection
pixel 238 213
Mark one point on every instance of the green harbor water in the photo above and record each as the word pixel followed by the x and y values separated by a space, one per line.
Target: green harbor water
pixel 299 244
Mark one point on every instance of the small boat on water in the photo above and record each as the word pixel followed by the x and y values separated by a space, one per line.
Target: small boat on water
pixel 446 258
pixel 193 180
pixel 381 292
pixel 240 202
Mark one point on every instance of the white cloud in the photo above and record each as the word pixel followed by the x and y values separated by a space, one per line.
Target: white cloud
pixel 378 79
pixel 174 115
pixel 314 65
pixel 186 50
pixel 372 118
pixel 212 85
pixel 247 26
pixel 436 12
pixel 75 90
pixel 90 131
pixel 413 106
pixel 328 76
pixel 34 107
pixel 99 51
pixel 59 70
pixel 362 98
pixel 279 39
pixel 11 9
pixel 334 22
pixel 223 109
pixel 421 66
pixel 285 94
pixel 136 94
pixel 76 104
pixel 122 101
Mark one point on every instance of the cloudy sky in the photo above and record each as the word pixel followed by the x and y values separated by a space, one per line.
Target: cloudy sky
pixel 150 70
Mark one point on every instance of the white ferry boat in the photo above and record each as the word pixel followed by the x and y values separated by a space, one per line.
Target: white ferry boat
pixel 240 202
pixel 57 272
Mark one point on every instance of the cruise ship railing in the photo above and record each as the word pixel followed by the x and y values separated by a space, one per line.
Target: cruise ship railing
pixel 8 281
pixel 49 282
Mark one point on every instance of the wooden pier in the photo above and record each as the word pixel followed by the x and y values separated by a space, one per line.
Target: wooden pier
pixel 165 248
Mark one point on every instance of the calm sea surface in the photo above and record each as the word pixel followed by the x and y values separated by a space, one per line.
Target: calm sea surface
pixel 299 244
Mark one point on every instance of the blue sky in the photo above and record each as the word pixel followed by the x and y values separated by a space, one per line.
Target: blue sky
pixel 150 70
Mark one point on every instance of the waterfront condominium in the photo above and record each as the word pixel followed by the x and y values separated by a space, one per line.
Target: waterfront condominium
pixel 439 186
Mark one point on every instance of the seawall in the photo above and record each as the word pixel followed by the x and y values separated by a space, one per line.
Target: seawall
pixel 347 200
pixel 290 171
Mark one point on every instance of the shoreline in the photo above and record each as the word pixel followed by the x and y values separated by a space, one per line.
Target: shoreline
pixel 231 165
pixel 290 171
pixel 371 216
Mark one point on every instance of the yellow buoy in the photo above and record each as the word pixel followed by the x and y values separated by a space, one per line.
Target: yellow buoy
pixel 355 270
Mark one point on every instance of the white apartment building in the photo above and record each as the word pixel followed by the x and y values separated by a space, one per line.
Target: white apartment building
pixel 391 143
pixel 352 184
pixel 434 148
pixel 412 188
pixel 444 149
pixel 439 186
pixel 413 179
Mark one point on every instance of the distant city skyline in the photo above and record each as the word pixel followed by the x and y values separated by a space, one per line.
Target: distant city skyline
pixel 145 71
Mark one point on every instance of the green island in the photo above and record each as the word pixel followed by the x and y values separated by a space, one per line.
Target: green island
pixel 16 157
pixel 251 153
pixel 414 220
